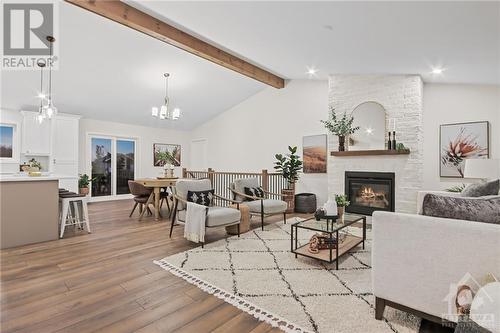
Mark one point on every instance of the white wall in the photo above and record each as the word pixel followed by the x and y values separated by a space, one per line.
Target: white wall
pixel 454 103
pixel 247 136
pixel 145 136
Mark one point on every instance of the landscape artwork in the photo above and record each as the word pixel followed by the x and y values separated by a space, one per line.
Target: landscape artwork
pixel 314 151
pixel 6 141
pixel 173 150
pixel 459 142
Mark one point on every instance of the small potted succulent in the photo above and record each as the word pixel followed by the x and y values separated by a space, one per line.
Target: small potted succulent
pixel 83 184
pixel 340 126
pixel 342 203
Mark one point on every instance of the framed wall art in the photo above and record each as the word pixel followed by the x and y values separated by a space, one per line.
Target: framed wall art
pixel 315 153
pixel 458 142
pixel 173 150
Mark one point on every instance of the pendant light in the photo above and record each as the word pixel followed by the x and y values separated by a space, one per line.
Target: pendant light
pixel 165 111
pixel 50 109
pixel 41 110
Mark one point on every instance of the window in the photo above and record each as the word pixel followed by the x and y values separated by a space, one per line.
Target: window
pixel 112 165
pixel 6 141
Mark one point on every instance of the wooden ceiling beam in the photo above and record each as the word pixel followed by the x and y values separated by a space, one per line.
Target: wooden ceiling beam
pixel 131 17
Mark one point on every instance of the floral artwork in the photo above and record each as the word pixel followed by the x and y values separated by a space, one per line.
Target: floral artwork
pixel 459 142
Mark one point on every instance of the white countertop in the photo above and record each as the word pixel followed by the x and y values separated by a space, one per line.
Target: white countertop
pixel 17 177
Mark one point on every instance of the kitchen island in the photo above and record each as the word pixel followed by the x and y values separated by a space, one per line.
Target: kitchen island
pixel 29 209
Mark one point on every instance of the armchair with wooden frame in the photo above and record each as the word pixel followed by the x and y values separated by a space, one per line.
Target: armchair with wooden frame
pixel 215 216
pixel 262 206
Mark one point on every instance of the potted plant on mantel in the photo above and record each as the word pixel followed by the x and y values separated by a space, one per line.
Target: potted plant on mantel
pixel 340 127
pixel 83 184
pixel 342 203
pixel 168 160
pixel 289 166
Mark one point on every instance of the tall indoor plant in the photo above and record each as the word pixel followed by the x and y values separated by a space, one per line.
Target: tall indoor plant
pixel 289 166
pixel 340 127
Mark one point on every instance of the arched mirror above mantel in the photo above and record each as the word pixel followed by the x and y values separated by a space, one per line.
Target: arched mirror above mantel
pixel 370 117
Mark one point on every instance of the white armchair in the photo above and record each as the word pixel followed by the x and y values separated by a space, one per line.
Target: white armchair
pixel 215 216
pixel 258 205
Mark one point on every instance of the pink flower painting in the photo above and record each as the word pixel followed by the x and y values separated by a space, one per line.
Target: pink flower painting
pixel 460 142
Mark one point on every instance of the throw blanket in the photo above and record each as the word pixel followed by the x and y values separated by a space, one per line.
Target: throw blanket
pixel 194 229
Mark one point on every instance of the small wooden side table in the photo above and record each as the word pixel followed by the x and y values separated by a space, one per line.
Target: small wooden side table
pixel 245 221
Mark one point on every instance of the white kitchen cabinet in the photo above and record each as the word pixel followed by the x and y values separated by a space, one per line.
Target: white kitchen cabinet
pixel 35 139
pixel 64 152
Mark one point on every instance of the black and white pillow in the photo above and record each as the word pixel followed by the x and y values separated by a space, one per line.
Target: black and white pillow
pixel 255 192
pixel 204 198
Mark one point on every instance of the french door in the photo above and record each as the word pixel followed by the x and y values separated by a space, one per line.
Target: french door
pixel 112 165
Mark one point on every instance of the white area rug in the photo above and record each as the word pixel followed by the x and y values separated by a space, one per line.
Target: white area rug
pixel 258 274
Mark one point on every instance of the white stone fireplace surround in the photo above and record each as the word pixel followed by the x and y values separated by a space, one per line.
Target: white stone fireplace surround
pixel 401 96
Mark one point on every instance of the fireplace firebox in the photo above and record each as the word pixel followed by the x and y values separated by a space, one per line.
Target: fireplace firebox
pixel 369 191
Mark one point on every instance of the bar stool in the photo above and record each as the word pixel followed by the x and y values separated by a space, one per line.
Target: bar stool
pixel 70 204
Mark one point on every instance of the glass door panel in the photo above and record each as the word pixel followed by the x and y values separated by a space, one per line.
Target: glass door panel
pixel 125 161
pixel 101 167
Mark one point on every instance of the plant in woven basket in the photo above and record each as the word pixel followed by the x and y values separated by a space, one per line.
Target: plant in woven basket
pixel 289 165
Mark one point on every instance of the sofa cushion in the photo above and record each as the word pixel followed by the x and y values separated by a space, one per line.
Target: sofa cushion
pixel 204 198
pixel 481 189
pixel 270 206
pixel 216 216
pixel 184 185
pixel 485 209
pixel 240 184
pixel 255 192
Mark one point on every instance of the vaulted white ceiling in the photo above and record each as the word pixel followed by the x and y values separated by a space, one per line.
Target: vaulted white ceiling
pixel 353 37
pixel 110 72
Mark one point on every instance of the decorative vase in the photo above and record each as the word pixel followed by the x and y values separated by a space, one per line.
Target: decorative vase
pixel 340 212
pixel 84 190
pixel 341 142
pixel 330 207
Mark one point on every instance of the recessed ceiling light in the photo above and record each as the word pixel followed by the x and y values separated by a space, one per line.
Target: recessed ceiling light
pixel 437 70
pixel 311 71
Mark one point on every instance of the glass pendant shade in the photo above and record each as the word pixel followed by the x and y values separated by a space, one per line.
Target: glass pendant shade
pixel 50 109
pixel 165 111
pixel 176 114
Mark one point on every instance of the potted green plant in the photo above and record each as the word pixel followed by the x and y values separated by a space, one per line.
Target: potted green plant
pixel 83 184
pixel 289 166
pixel 340 127
pixel 342 203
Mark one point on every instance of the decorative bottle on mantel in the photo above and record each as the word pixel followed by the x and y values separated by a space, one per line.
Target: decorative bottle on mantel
pixel 389 143
pixel 393 146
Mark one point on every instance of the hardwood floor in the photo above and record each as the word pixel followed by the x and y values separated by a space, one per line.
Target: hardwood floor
pixel 106 282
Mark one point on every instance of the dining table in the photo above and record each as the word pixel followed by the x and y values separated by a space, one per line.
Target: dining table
pixel 156 184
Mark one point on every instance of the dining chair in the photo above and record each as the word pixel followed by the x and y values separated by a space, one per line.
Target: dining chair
pixel 141 195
